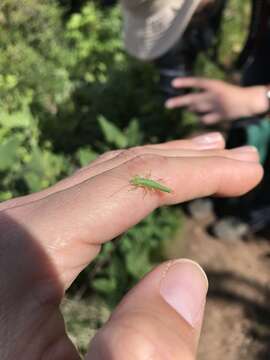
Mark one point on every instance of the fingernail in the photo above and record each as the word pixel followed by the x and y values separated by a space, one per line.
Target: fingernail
pixel 246 153
pixel 209 140
pixel 184 287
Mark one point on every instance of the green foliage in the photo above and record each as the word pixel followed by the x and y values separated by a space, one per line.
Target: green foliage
pixel 33 65
pixel 112 134
pixel 85 156
pixel 107 83
pixel 231 39
pixel 115 137
pixel 34 80
pixel 131 256
pixel 24 165
pixel 234 30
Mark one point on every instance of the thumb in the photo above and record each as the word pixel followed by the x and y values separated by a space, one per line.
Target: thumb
pixel 160 318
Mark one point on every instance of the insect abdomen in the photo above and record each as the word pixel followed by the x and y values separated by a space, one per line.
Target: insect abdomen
pixel 149 184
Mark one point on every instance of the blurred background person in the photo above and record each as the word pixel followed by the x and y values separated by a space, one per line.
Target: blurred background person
pixel 245 107
pixel 170 34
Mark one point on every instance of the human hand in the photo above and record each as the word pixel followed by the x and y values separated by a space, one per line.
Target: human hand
pixel 48 238
pixel 218 100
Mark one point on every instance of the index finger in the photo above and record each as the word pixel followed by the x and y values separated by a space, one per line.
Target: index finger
pixel 191 82
pixel 78 220
pixel 186 100
pixel 205 141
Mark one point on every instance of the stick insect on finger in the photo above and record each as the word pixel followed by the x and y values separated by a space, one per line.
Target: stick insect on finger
pixel 147 184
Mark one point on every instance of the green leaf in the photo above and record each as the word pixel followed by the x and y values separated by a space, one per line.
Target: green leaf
pixel 42 169
pixel 104 285
pixel 20 119
pixel 138 262
pixel 133 133
pixel 5 195
pixel 86 156
pixel 112 133
pixel 8 152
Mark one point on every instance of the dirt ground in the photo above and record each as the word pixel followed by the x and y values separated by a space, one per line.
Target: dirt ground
pixel 237 321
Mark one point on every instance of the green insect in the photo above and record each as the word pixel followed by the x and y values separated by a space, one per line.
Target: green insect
pixel 149 184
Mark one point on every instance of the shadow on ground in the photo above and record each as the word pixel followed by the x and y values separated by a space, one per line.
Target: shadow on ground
pixel 244 292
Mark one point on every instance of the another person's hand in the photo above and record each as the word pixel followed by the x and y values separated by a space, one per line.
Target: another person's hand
pixel 48 238
pixel 218 100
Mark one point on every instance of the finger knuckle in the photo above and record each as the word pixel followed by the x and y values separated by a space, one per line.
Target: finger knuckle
pixel 130 153
pixel 109 154
pixel 119 341
pixel 141 342
pixel 144 162
pixel 130 337
pixel 200 81
pixel 102 158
